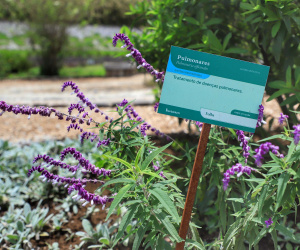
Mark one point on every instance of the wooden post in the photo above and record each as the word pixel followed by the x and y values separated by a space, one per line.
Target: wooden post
pixel 190 198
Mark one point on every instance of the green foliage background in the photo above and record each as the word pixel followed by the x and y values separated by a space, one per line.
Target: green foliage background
pixel 260 31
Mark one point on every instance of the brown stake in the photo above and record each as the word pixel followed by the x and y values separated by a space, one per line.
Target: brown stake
pixel 190 198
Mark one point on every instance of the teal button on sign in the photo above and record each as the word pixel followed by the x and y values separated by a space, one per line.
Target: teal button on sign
pixel 213 89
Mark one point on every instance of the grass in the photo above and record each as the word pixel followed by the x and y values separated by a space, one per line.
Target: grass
pixel 83 71
pixel 80 71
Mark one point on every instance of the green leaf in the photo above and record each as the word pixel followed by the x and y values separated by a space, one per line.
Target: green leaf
pixel 20 226
pixel 120 180
pixel 277 84
pixel 139 237
pixel 283 137
pixel 276 159
pixel 195 244
pixel 291 100
pixel 259 236
pixel 214 21
pixel 289 77
pixel 226 40
pixel 168 225
pixel 138 156
pixel 27 209
pixel 275 28
pixel 191 20
pixel 262 198
pixel 231 232
pixel 223 218
pixel 236 51
pixel 127 218
pixel 12 238
pixel 147 172
pixel 119 160
pixel 279 93
pixel 246 6
pixel 118 198
pixel 151 156
pixel 285 231
pixel 282 183
pixel 214 41
pixel 274 238
pixel 104 240
pixel 87 226
pixel 167 203
pixel 239 200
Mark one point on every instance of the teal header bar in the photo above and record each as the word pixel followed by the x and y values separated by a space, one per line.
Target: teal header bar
pixel 220 66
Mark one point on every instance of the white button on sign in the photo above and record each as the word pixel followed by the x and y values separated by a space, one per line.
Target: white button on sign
pixel 228 118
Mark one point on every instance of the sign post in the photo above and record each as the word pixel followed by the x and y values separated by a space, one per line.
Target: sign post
pixel 190 198
pixel 214 90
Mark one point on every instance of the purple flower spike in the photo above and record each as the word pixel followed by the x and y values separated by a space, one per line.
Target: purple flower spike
pixel 237 168
pixel 84 101
pixel 156 106
pixel 296 133
pixel 162 175
pixel 282 118
pixel 264 149
pixel 138 56
pixel 244 143
pixel 268 222
pixel 260 118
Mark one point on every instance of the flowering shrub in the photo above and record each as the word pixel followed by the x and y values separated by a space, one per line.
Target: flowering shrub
pixel 249 200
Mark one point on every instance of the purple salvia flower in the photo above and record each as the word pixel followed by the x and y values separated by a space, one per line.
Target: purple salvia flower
pixel 296 133
pixel 87 135
pixel 237 168
pixel 73 185
pixel 156 106
pixel 56 179
pixel 162 175
pixel 244 143
pixel 75 106
pixel 268 222
pixel 103 142
pixel 51 162
pixel 260 116
pixel 156 167
pixel 42 111
pixel 282 118
pixel 74 126
pixel 131 112
pixel 81 96
pixel 138 56
pixel 264 149
pixel 84 162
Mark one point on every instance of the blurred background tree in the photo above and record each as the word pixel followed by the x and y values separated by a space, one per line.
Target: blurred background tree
pixel 48 21
pixel 260 31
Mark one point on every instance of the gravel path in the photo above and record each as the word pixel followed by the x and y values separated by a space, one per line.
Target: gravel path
pixel 105 91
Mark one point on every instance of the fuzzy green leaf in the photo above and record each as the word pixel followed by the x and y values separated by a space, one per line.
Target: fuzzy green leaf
pixel 282 183
pixel 87 226
pixel 151 156
pixel 169 226
pixel 118 198
pixel 165 200
pixel 127 218
pixel 139 237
